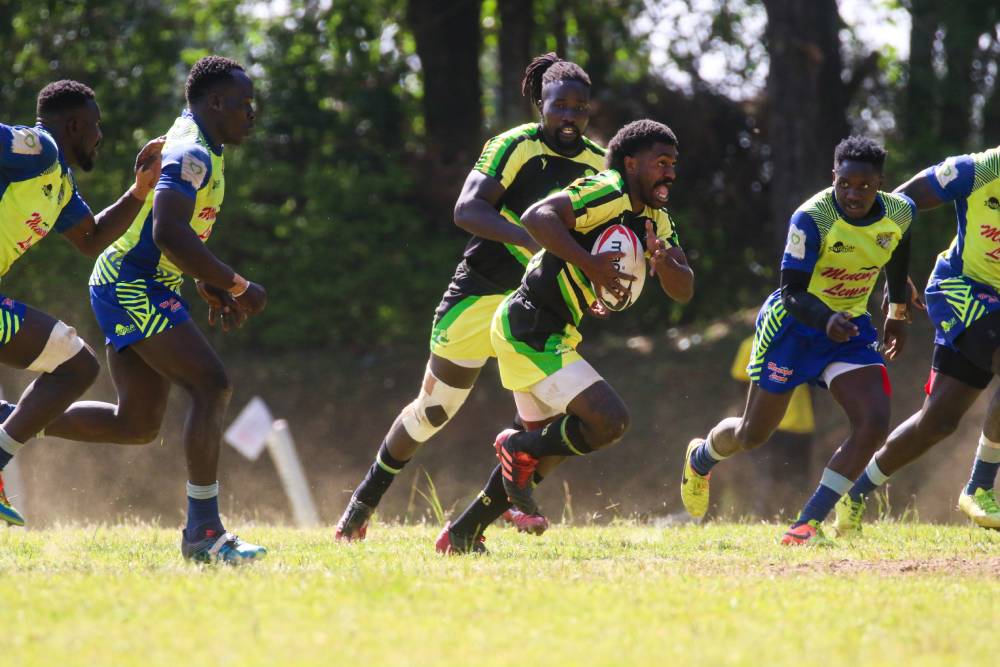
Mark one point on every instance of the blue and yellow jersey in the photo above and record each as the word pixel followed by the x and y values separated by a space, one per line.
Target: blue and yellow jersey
pixel 37 191
pixel 972 182
pixel 529 170
pixel 598 202
pixel 845 257
pixel 191 166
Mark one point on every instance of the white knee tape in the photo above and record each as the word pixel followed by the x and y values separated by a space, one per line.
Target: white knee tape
pixel 63 344
pixel 434 407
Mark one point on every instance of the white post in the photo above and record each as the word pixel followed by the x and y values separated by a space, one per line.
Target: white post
pixel 293 477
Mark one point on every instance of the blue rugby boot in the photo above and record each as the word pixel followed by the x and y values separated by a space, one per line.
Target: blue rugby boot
pixel 7 511
pixel 226 548
pixel 5 410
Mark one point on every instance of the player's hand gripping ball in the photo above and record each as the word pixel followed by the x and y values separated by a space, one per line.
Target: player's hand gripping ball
pixel 621 239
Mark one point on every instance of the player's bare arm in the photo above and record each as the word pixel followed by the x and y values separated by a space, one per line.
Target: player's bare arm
pixel 173 235
pixel 921 191
pixel 476 212
pixel 670 266
pixel 549 222
pixel 95 233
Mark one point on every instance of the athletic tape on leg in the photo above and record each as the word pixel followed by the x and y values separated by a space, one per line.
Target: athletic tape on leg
pixel 434 407
pixel 63 344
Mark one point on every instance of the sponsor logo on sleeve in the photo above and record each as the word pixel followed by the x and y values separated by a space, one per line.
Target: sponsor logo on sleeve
pixel 193 170
pixel 796 246
pixel 946 172
pixel 26 142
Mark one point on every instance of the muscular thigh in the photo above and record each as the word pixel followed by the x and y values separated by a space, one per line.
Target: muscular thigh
pixel 183 356
pixel 141 390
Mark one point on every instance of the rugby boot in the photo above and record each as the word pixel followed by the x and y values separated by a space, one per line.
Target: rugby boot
pixel 353 524
pixel 225 548
pixel 534 524
pixel 694 487
pixel 808 534
pixel 5 410
pixel 518 472
pixel 981 507
pixel 848 517
pixel 7 511
pixel 449 542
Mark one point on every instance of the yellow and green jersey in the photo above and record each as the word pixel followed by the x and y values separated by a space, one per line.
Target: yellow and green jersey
pixel 191 166
pixel 37 191
pixel 972 182
pixel 845 257
pixel 599 201
pixel 529 170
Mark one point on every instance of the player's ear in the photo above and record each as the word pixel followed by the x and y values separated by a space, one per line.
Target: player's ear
pixel 630 164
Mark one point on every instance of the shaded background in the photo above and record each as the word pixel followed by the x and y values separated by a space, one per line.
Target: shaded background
pixel 370 115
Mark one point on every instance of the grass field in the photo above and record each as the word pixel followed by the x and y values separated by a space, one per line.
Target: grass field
pixel 718 594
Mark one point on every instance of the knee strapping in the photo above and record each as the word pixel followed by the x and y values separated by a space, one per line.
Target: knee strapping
pixel 434 407
pixel 63 344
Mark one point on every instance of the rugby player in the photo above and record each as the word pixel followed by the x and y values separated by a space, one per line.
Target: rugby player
pixel 135 291
pixel 38 194
pixel 566 406
pixel 963 301
pixel 515 169
pixel 816 328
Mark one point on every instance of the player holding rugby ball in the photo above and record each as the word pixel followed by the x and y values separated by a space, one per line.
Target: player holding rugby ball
pixel 534 331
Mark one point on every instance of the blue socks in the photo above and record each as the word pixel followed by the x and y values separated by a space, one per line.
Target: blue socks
pixel 203 512
pixel 8 447
pixel 831 487
pixel 984 468
pixel 704 457
pixel 870 479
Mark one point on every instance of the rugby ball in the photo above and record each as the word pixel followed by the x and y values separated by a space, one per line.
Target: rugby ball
pixel 619 238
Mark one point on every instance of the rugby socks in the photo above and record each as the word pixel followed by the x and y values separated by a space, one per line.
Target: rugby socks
pixel 203 512
pixel 984 468
pixel 8 448
pixel 563 437
pixel 831 487
pixel 870 479
pixel 704 457
pixel 379 478
pixel 487 507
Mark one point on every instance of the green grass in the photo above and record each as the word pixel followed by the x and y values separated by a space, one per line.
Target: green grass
pixel 719 594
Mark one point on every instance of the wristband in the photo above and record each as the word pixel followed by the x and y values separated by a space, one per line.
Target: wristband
pixel 897 311
pixel 240 286
pixel 132 193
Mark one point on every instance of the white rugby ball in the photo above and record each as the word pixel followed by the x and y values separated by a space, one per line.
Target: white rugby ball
pixel 619 238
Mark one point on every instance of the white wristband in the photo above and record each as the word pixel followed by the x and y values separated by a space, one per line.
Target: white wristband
pixel 897 311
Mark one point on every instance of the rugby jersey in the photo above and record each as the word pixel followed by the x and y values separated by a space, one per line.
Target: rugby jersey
pixel 529 169
pixel 845 257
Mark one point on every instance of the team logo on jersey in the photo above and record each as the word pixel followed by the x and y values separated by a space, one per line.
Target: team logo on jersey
pixel 841 247
pixel 545 162
pixel 946 172
pixel 884 240
pixel 47 190
pixel 193 170
pixel 26 142
pixel 796 246
pixel 993 204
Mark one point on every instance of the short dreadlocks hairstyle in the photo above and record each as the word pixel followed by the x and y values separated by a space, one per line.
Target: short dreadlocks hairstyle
pixel 207 72
pixel 549 68
pixel 59 96
pixel 634 137
pixel 860 149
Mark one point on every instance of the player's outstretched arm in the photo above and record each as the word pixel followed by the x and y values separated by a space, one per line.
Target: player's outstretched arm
pixel 173 235
pixel 549 222
pixel 95 233
pixel 476 212
pixel 921 191
pixel 670 266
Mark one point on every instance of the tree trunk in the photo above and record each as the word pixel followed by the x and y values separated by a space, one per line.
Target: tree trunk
pixel 517 19
pixel 448 40
pixel 962 30
pixel 807 101
pixel 920 113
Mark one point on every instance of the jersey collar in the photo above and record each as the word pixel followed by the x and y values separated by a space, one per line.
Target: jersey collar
pixel 216 148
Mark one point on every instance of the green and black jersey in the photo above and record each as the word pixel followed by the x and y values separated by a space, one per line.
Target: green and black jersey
pixel 598 202
pixel 529 170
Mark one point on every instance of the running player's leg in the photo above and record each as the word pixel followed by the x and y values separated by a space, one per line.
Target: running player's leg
pixel 37 342
pixel 978 499
pixel 134 420
pixel 863 393
pixel 763 412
